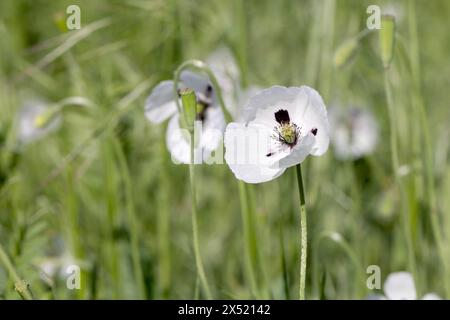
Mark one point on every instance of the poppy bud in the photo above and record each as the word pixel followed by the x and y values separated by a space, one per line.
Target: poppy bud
pixel 345 52
pixel 387 39
pixel 189 102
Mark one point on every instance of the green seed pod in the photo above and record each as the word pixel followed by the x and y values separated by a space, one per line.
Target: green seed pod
pixel 387 39
pixel 345 52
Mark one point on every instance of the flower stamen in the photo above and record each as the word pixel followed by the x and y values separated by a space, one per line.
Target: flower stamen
pixel 286 132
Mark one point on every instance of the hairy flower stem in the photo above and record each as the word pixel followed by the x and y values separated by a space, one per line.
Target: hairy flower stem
pixel 25 294
pixel 304 235
pixel 198 258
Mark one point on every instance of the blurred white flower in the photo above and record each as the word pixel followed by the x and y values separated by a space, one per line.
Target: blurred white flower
pixel 161 105
pixel 55 267
pixel 400 286
pixel 354 132
pixel 393 9
pixel 226 71
pixel 280 127
pixel 35 121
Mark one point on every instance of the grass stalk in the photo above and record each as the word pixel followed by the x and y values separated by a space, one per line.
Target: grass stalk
pixel 4 259
pixel 132 221
pixel 395 167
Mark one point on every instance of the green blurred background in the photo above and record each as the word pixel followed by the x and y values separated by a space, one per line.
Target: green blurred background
pixel 104 182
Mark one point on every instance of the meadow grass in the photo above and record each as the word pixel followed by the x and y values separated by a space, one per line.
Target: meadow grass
pixel 103 188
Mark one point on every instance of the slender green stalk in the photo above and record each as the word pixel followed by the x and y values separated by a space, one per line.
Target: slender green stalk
pixel 304 235
pixel 198 258
pixel 351 254
pixel 163 231
pixel 427 159
pixel 392 127
pixel 133 222
pixel 74 228
pixel 395 166
pixel 250 238
pixel 242 39
pixel 284 266
pixel 112 212
pixel 24 291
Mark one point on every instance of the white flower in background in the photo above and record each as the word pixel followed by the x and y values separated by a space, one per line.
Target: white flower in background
pixel 34 123
pixel 161 105
pixel 354 132
pixel 280 127
pixel 55 267
pixel 393 9
pixel 400 286
pixel 226 71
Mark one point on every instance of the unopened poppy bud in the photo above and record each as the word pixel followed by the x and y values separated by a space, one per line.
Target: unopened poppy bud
pixel 189 102
pixel 387 39
pixel 43 119
pixel 345 52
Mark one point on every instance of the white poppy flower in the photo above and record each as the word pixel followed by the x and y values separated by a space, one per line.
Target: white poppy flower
pixel 281 127
pixel 161 105
pixel 56 267
pixel 31 124
pixel 400 286
pixel 354 132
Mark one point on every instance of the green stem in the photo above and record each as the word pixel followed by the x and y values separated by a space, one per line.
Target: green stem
pixel 25 294
pixel 392 128
pixel 304 235
pixel 284 266
pixel 74 228
pixel 242 40
pixel 132 220
pixel 163 233
pixel 341 243
pixel 395 166
pixel 198 258
pixel 250 238
pixel 427 159
pixel 112 217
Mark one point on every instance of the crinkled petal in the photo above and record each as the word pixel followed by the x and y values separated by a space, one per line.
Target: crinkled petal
pixel 312 115
pixel 195 81
pixel 246 149
pixel 213 128
pixel 262 107
pixel 160 104
pixel 304 105
pixel 244 96
pixel 400 286
pixel 298 153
